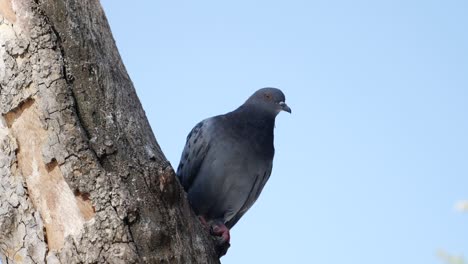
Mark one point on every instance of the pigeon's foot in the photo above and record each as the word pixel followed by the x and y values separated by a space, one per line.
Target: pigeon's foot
pixel 221 237
pixel 220 230
pixel 220 234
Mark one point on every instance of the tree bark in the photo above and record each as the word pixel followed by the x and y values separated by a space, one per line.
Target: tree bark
pixel 82 178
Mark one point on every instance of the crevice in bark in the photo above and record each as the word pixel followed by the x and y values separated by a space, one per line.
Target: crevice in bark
pixel 85 205
pixel 58 41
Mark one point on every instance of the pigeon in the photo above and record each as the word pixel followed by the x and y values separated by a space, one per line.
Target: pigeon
pixel 227 159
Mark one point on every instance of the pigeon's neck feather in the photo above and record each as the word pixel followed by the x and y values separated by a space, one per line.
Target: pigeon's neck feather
pixel 261 120
pixel 256 127
pixel 254 111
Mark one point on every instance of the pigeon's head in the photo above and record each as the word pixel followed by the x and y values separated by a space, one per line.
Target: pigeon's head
pixel 269 100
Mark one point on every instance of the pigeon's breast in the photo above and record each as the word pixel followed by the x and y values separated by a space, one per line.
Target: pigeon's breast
pixel 234 170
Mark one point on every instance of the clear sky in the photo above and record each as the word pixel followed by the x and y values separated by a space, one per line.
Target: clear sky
pixel 375 154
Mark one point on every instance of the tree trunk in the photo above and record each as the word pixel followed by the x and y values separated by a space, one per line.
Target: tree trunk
pixel 82 178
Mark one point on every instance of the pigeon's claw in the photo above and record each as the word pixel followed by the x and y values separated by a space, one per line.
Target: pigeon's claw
pixel 220 230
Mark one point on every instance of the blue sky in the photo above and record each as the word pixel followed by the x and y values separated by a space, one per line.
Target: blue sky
pixel 375 155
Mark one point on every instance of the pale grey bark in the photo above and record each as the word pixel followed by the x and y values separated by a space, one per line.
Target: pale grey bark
pixel 82 178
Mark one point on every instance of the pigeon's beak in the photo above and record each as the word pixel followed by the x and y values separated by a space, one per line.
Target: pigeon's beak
pixel 285 107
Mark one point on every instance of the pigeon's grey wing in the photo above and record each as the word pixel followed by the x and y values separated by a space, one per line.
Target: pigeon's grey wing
pixel 257 187
pixel 194 153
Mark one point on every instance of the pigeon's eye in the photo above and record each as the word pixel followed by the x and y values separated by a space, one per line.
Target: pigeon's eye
pixel 267 96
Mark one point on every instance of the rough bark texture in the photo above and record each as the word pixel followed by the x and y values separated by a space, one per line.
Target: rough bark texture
pixel 82 178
